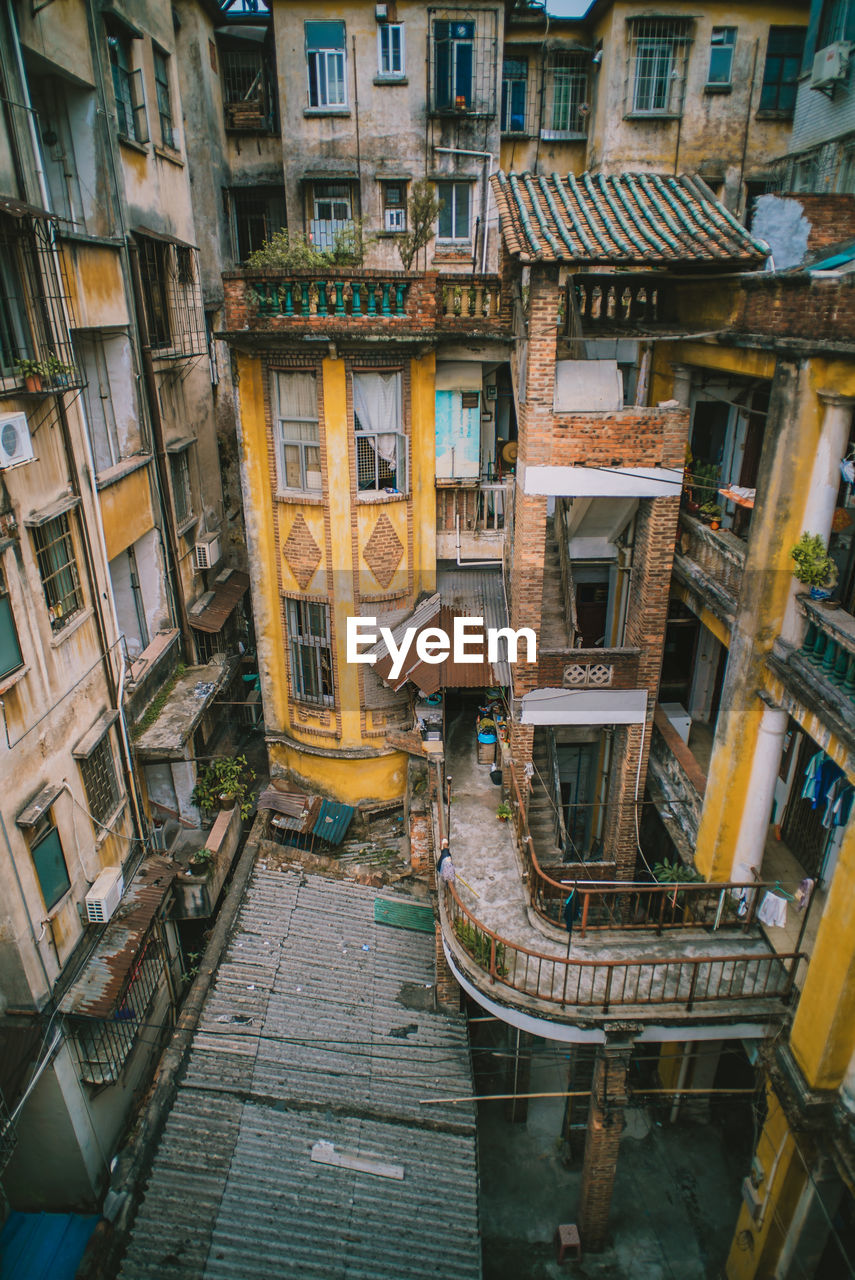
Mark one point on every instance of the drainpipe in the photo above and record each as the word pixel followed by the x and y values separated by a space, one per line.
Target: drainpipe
pixel 488 159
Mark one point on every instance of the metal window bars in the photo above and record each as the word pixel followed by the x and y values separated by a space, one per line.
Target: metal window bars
pixel 35 308
pixel 462 53
pixel 172 298
pixel 657 57
pixel 104 1044
pixel 566 107
pixel 247 100
pixel 58 570
pixel 311 651
pixel 99 779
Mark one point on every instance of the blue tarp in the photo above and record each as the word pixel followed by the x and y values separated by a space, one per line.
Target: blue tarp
pixel 44 1246
pixel 331 824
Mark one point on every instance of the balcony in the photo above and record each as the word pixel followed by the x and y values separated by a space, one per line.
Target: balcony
pixel 678 782
pixel 675 954
pixel 470 518
pixel 823 668
pixel 710 562
pixel 351 300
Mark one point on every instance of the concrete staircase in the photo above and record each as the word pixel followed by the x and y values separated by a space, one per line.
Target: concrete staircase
pixel 554 626
pixel 541 809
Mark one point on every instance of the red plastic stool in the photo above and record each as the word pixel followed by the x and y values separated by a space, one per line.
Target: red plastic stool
pixel 567 1242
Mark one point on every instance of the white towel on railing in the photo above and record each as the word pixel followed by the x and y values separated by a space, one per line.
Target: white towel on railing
pixel 773 911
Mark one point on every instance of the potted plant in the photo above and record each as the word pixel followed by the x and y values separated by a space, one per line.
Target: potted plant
pixel 814 566
pixel 504 812
pixel 200 861
pixel 223 783
pixel 710 512
pixel 49 372
pixel 30 371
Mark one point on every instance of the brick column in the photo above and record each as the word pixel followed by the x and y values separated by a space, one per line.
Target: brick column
pixel 605 1124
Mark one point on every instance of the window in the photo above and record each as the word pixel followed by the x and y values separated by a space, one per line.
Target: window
pixel 257 212
pixel 722 42
pixel 658 53
pixel 99 779
pixel 846 172
pixel 835 23
pixel 247 100
pixel 567 85
pixel 311 652
pixel 164 103
pixel 15 334
pixel 390 50
pixel 128 91
pixel 332 212
pixel 98 396
pixel 49 861
pixel 10 649
pixel 326 56
pixel 781 72
pixel 58 570
pixel 153 261
pixel 454 198
pixel 454 44
pixel 172 297
pixel 381 449
pixel 298 440
pixel 514 94
pixel 182 494
pixel 394 206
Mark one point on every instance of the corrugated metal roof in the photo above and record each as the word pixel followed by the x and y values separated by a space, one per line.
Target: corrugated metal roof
pixel 478 592
pixel 95 993
pixel 226 595
pixel 319 1028
pixel 297 811
pixel 332 821
pixel 630 218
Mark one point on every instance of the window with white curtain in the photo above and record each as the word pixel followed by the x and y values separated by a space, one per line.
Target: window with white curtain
pixel 381 447
pixel 298 448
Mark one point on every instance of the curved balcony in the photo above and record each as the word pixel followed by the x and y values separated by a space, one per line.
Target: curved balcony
pixel 650 953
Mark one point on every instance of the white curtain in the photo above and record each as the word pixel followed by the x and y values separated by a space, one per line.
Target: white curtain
pixel 377 408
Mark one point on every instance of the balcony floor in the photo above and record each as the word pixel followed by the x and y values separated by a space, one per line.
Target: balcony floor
pixel 490 884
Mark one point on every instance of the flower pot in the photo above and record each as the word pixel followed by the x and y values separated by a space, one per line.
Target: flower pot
pixel 820 593
pixel 33 382
pixel 228 800
pixel 715 524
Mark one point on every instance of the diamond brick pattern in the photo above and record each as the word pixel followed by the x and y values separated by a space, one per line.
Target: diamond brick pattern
pixel 594 675
pixel 301 552
pixel 383 551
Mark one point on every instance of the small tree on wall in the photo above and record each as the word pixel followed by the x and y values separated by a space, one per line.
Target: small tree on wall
pixel 423 210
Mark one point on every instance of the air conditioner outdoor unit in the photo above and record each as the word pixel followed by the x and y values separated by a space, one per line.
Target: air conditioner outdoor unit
pixel 15 443
pixel 105 895
pixel 830 65
pixel 208 551
pixel 395 220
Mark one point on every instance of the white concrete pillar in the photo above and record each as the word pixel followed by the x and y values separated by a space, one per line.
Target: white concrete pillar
pixel 847 1089
pixel 682 384
pixel 822 491
pixel 757 811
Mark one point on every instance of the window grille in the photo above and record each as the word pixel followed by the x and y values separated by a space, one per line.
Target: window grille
pixel 395 206
pixel 164 100
pixel 326 64
pixel 172 297
pixel 131 121
pixel 104 1044
pixel 49 862
pixel 247 96
pixel 658 50
pixel 515 115
pixel 781 71
pixel 58 570
pixel 257 213
pixel 722 44
pixel 35 307
pixel 182 496
pixel 311 651
pixel 381 448
pixel 455 209
pixel 10 649
pixel 462 54
pixel 566 95
pixel 332 213
pixel 299 434
pixel 390 49
pixel 99 779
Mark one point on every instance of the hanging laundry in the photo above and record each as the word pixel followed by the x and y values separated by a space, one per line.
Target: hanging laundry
pixel 821 773
pixel 843 805
pixel 773 911
pixel 803 893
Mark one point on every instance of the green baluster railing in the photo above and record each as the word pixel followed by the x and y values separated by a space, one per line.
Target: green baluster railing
pixel 372 298
pixel 289 297
pixel 838 675
pixel 386 310
pixel 809 642
pixel 400 294
pixel 339 298
pixel 356 287
pixel 849 678
pixel 322 298
pixel 829 658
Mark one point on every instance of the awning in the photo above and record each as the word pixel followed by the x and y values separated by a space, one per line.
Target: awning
pixel 67 502
pixel 18 209
pixel 181 444
pixel 90 740
pixel 218 605
pixel 584 706
pixel 38 806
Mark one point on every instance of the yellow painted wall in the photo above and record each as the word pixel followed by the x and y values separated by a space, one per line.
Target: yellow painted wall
pixel 718 628
pixel 96 285
pixel 126 511
pixel 352 781
pixel 757 1244
pixel 422 469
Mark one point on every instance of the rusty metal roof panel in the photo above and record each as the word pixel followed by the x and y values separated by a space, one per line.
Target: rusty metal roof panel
pixel 631 219
pixel 212 617
pixel 95 993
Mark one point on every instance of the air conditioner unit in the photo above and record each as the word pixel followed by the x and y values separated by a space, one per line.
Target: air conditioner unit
pixel 830 65
pixel 105 895
pixel 208 551
pixel 15 443
pixel 395 219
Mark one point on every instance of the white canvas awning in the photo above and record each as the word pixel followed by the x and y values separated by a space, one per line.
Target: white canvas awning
pixel 584 706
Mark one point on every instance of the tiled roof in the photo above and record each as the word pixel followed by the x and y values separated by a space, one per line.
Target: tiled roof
pixel 319 1029
pixel 634 218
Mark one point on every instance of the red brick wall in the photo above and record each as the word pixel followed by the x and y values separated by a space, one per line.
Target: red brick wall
pixel 831 218
pixel 551 664
pixel 626 438
pixel 798 307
